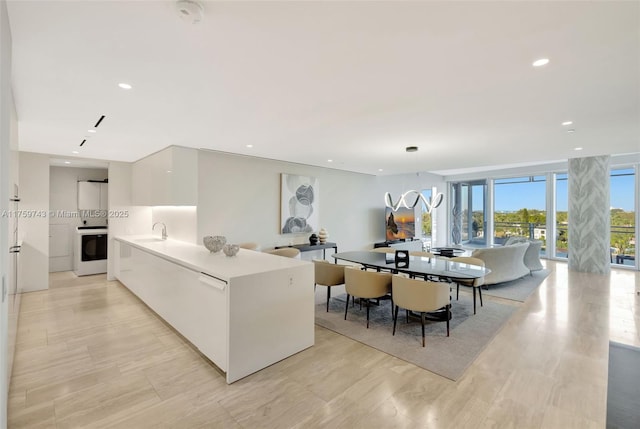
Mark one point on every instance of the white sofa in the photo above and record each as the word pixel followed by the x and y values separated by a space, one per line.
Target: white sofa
pixel 505 262
pixel 532 255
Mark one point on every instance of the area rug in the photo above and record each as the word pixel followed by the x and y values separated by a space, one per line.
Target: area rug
pixel 623 390
pixel 515 290
pixel 446 356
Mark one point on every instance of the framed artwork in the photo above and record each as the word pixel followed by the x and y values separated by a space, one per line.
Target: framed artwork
pixel 299 204
pixel 400 224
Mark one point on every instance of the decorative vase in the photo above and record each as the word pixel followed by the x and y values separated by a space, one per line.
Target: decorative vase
pixel 231 249
pixel 323 235
pixel 214 243
pixel 313 239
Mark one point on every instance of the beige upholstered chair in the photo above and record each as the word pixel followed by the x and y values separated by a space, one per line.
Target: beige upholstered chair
pixel 365 285
pixel 249 246
pixel 384 250
pixel 328 274
pixel 287 252
pixel 419 296
pixel 422 254
pixel 473 283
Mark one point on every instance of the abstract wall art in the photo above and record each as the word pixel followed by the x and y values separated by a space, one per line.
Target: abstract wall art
pixel 299 204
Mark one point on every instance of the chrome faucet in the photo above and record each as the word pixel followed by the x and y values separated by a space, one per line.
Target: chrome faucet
pixel 164 229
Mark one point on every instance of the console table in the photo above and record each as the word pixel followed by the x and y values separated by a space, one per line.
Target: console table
pixel 447 252
pixel 311 247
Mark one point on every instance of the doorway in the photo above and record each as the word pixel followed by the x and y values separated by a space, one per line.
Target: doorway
pixel 468 220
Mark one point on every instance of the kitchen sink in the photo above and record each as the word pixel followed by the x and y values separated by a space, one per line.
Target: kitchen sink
pixel 149 240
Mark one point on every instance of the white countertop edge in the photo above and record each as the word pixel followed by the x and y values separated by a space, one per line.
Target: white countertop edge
pixel 197 258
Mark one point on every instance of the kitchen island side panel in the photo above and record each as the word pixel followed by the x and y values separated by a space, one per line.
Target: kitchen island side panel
pixel 271 317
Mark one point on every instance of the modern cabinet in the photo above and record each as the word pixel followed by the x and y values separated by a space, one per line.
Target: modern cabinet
pixel 243 313
pixel 166 178
pixel 92 195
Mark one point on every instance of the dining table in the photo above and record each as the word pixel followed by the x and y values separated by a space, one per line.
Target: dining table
pixel 418 266
pixel 430 268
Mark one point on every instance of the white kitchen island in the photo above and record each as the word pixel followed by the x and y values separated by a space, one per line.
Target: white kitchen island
pixel 244 312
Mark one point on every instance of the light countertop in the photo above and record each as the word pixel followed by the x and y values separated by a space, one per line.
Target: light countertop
pixel 198 258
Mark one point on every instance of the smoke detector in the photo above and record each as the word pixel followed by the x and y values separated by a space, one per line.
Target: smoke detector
pixel 190 11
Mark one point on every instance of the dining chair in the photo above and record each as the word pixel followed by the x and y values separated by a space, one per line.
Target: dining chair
pixel 249 246
pixel 472 283
pixel 365 285
pixel 419 296
pixel 287 252
pixel 422 254
pixel 384 250
pixel 327 274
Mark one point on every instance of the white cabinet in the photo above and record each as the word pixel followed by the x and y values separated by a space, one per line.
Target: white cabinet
pixel 92 195
pixel 241 318
pixel 104 196
pixel 195 304
pixel 166 178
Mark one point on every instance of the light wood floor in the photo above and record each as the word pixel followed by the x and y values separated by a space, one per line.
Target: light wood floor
pixel 89 354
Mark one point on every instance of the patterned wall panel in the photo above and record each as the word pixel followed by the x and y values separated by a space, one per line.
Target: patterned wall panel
pixel 589 217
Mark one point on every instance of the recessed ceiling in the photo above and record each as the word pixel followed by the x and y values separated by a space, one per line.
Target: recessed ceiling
pixel 354 82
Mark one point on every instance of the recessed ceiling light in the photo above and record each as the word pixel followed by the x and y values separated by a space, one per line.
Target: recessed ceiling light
pixel 380 169
pixel 124 85
pixel 67 162
pixel 577 148
pixel 91 131
pixel 75 152
pixel 565 123
pixel 329 160
pixel 249 146
pixel 572 130
pixel 168 171
pixel 541 62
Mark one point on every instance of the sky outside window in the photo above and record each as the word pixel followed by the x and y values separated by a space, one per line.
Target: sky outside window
pixel 517 193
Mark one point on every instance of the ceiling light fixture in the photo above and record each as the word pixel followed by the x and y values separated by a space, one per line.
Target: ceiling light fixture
pixel 190 11
pixel 577 148
pixel 67 162
pixel 91 131
pixel 124 85
pixel 541 62
pixel 565 123
pixel 75 152
pixel 249 146
pixel 329 160
pixel 431 204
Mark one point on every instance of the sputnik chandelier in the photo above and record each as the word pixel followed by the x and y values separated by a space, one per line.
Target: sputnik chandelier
pixel 431 204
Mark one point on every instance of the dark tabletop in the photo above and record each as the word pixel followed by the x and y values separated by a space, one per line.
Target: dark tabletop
pixel 439 267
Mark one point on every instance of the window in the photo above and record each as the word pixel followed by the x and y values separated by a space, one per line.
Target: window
pixel 623 217
pixel 520 209
pixel 426 219
pixel 468 224
pixel 562 226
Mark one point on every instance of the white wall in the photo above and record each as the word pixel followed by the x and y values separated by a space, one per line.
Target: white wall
pixel 124 219
pixel 63 200
pixel 239 197
pixel 181 222
pixel 34 199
